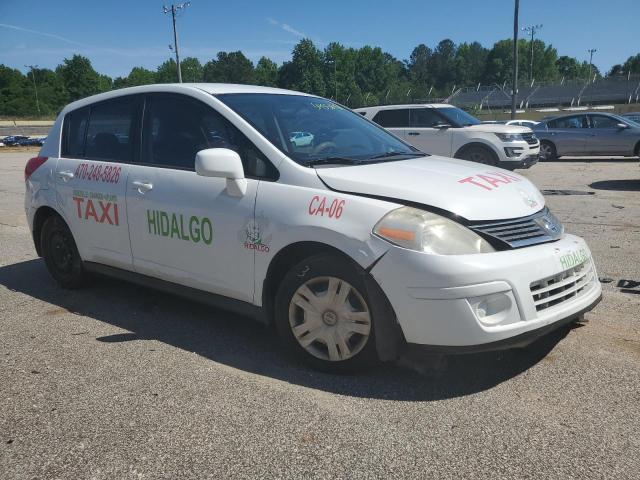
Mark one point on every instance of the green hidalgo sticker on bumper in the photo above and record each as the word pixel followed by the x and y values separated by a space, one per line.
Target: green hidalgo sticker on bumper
pixel 572 259
pixel 176 225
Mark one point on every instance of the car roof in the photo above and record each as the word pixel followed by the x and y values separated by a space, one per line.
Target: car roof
pixel 573 114
pixel 212 88
pixel 411 105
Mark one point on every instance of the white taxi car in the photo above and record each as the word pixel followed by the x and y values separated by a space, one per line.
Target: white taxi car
pixel 354 246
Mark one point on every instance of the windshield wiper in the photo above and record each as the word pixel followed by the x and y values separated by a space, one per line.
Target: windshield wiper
pixel 333 161
pixel 397 154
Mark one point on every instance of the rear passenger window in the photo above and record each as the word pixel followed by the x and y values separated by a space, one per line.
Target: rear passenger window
pixel 177 127
pixel 398 118
pixel 578 121
pixel 75 126
pixel 110 132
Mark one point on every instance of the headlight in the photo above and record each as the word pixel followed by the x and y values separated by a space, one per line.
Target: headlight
pixel 510 137
pixel 430 233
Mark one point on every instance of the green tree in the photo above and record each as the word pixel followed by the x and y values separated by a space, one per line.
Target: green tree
pixel 80 79
pixel 167 72
pixel 305 70
pixel 230 67
pixel 443 64
pixel 192 70
pixel 470 62
pixel 266 72
pixel 137 76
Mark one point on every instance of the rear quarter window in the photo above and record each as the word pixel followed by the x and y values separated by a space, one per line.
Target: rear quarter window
pixel 398 118
pixel 74 132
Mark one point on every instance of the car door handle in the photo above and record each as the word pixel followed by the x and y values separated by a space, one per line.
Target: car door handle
pixel 142 187
pixel 65 175
pixel 413 133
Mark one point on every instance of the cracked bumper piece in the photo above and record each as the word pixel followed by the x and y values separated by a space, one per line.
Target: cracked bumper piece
pixel 488 301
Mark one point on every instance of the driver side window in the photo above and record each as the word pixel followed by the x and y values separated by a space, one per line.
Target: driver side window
pixel 177 127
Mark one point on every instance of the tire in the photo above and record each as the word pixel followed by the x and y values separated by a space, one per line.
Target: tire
pixel 548 151
pixel 61 254
pixel 479 154
pixel 330 335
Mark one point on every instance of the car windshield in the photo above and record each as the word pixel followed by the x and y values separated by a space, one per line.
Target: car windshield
pixel 458 117
pixel 315 131
pixel 622 119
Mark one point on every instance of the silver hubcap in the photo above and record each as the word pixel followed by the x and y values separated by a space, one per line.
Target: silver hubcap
pixel 546 150
pixel 329 318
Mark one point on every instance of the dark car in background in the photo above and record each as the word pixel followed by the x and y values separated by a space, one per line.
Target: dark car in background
pixel 587 133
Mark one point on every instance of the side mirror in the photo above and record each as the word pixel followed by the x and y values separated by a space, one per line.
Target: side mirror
pixel 442 126
pixel 223 163
pixel 622 126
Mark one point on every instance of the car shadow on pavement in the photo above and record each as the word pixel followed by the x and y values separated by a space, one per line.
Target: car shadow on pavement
pixel 244 344
pixel 618 185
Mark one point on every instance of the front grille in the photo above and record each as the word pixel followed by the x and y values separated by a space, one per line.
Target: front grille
pixel 530 138
pixel 554 290
pixel 521 232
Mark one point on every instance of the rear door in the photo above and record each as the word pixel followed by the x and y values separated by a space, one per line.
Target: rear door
pixel 186 228
pixel 425 134
pixel 396 121
pixel 606 138
pixel 98 145
pixel 569 134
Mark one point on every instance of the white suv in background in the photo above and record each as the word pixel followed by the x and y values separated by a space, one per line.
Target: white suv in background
pixel 441 129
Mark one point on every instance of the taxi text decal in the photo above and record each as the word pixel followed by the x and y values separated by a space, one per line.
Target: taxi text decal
pixel 98 173
pixel 490 180
pixel 101 208
pixel 180 227
pixel 326 207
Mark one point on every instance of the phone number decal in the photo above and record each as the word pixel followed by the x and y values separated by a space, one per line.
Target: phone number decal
pixel 98 173
pixel 323 206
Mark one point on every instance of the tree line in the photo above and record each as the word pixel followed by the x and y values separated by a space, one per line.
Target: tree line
pixel 352 76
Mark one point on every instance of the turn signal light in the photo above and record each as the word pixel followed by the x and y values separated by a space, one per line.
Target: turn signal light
pixel 32 166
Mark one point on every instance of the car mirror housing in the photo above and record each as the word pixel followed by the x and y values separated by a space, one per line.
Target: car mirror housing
pixel 223 163
pixel 622 125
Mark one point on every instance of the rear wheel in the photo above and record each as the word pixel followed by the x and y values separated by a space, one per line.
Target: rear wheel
pixel 323 315
pixel 479 155
pixel 548 151
pixel 61 254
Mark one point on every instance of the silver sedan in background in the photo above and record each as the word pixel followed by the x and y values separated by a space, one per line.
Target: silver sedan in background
pixel 587 133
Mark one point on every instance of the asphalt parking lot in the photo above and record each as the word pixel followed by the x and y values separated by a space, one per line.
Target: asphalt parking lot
pixel 118 381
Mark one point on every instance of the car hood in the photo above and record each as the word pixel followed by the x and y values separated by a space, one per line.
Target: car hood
pixel 471 190
pixel 497 128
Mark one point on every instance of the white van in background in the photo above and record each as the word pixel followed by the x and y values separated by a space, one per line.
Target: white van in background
pixel 442 129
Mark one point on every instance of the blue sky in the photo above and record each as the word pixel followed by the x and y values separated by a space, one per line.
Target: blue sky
pixel 118 35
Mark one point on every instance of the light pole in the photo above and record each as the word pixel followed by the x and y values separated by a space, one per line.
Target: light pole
pixel 591 52
pixel 35 87
pixel 515 60
pixel 174 10
pixel 335 78
pixel 531 30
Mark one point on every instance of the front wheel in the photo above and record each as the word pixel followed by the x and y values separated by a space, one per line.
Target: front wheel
pixel 548 151
pixel 323 314
pixel 61 254
pixel 478 155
